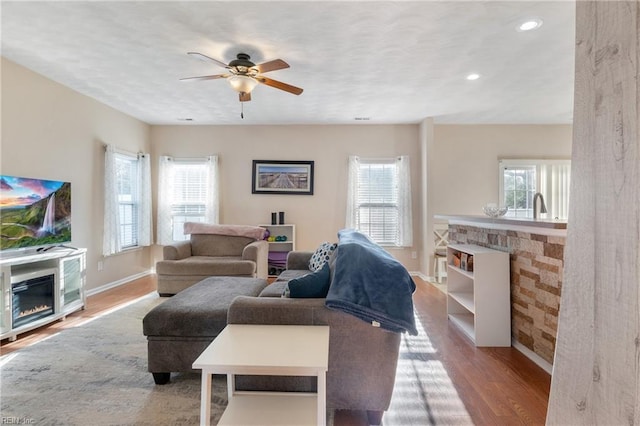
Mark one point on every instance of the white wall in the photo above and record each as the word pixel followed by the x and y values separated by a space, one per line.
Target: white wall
pixel 317 218
pixel 52 132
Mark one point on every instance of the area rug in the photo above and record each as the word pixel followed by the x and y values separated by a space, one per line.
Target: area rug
pixel 96 374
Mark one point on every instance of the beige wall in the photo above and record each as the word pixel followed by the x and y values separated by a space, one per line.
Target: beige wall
pixel 52 132
pixel 317 218
pixel 463 163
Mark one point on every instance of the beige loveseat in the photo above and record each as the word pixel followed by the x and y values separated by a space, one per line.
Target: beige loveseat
pixel 210 254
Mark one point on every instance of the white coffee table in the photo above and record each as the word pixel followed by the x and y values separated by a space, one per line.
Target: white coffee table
pixel 277 350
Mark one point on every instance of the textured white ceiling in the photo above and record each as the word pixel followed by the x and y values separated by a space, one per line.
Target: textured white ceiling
pixel 395 62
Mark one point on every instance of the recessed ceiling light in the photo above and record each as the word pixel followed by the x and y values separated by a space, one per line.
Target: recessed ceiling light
pixel 529 24
pixel 473 76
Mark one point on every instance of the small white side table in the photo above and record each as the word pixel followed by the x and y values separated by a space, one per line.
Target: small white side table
pixel 279 350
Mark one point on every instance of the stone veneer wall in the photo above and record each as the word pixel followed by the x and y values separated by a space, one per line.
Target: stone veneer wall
pixel 536 281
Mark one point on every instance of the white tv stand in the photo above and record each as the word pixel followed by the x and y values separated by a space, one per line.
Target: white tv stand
pixel 68 267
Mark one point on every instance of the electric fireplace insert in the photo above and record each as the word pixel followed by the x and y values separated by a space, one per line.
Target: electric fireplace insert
pixel 32 298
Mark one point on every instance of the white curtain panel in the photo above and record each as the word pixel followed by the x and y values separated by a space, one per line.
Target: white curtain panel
pixel 213 195
pixel 145 225
pixel 165 190
pixel 111 236
pixel 555 179
pixel 405 220
pixel 352 192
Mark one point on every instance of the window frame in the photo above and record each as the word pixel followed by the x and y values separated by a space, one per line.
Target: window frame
pixel 535 163
pixel 169 229
pixel 133 161
pixel 202 217
pixel 361 204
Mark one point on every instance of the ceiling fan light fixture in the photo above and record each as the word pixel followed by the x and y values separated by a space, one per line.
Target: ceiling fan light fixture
pixel 242 83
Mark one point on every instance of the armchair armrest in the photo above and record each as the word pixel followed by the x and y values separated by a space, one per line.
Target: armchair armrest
pixel 258 251
pixel 299 259
pixel 177 251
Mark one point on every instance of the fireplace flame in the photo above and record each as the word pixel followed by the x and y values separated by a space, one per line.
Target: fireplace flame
pixel 33 310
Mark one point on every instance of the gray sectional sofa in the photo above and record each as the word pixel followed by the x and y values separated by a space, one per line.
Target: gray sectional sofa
pixel 362 358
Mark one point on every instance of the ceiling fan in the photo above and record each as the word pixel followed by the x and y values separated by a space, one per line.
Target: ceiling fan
pixel 243 75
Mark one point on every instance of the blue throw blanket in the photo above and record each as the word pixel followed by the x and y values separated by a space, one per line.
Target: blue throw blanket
pixel 371 285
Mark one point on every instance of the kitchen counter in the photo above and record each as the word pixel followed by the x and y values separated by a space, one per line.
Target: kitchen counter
pixel 544 226
pixel 536 249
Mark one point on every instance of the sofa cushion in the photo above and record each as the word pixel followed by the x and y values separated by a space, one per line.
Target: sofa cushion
pixel 218 245
pixel 313 285
pixel 200 310
pixel 274 290
pixel 289 274
pixel 321 256
pixel 203 265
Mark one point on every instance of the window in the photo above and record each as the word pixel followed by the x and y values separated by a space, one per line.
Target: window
pixel 128 199
pixel 188 193
pixel 379 199
pixel 520 180
pixel 127 216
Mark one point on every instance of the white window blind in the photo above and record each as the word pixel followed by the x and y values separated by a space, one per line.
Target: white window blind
pixel 188 193
pixel 521 179
pixel 189 196
pixel 379 202
pixel 128 199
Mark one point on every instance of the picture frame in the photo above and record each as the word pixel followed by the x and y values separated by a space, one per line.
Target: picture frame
pixel 282 177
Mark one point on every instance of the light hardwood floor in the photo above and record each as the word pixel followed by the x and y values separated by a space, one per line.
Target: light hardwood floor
pixel 485 386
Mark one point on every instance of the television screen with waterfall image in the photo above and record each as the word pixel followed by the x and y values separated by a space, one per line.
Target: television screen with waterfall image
pixel 34 212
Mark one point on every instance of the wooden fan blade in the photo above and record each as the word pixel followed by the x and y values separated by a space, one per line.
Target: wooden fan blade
pixel 276 64
pixel 245 97
pixel 206 77
pixel 206 58
pixel 279 85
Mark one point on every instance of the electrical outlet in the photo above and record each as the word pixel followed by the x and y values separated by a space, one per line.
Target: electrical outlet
pixel 100 265
pixel 414 254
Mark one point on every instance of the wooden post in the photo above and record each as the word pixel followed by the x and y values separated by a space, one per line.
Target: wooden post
pixel 596 374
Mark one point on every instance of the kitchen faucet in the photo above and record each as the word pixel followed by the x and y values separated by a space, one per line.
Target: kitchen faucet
pixel 543 208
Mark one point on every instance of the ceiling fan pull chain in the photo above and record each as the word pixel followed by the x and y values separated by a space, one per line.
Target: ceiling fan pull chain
pixel 242 110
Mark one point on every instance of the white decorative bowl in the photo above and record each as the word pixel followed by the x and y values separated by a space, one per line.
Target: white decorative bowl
pixel 493 210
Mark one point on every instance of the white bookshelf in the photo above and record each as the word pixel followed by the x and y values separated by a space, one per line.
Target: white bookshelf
pixel 479 300
pixel 287 230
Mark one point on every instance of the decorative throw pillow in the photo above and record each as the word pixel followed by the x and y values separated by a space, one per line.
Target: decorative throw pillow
pixel 321 256
pixel 313 285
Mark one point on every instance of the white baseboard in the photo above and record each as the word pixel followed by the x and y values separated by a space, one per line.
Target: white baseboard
pixel 424 277
pixel 537 359
pixel 118 283
pixel 419 275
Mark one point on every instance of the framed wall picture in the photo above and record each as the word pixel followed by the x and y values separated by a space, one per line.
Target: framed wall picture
pixel 282 177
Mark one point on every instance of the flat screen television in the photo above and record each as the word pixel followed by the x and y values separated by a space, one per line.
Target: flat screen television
pixel 34 212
